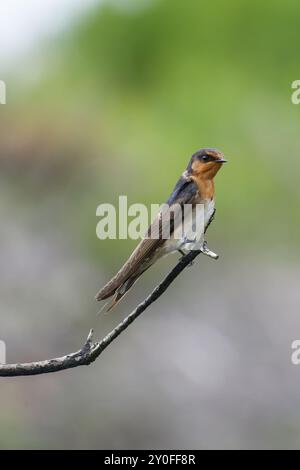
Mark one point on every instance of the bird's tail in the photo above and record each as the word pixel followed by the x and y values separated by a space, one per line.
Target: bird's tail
pixel 122 291
pixel 117 289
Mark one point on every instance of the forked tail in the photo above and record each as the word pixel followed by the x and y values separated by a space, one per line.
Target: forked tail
pixel 118 287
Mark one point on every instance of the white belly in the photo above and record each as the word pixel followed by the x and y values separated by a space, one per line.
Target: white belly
pixel 195 223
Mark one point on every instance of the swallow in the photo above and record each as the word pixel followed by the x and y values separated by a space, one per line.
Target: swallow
pixel 194 187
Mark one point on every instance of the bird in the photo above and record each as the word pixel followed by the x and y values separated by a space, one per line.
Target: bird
pixel 195 188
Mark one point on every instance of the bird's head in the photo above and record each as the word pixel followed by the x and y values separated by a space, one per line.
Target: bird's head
pixel 205 163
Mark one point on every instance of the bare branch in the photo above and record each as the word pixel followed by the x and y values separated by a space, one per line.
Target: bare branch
pixel 92 350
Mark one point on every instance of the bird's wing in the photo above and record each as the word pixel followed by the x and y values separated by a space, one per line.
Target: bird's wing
pixel 184 193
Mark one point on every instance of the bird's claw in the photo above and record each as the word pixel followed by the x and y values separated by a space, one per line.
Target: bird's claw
pixel 206 251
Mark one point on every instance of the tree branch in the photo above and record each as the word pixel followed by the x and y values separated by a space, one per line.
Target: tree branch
pixel 92 350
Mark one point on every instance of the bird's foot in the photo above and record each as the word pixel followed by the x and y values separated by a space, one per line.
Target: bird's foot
pixel 206 251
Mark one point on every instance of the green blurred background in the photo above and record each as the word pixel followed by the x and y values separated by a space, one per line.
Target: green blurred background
pixel 114 102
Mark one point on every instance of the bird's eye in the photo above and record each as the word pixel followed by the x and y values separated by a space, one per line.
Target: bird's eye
pixel 205 158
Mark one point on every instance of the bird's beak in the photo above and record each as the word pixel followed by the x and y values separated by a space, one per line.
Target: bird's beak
pixel 222 160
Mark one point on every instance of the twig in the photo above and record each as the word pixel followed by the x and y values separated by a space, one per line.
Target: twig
pixel 91 351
